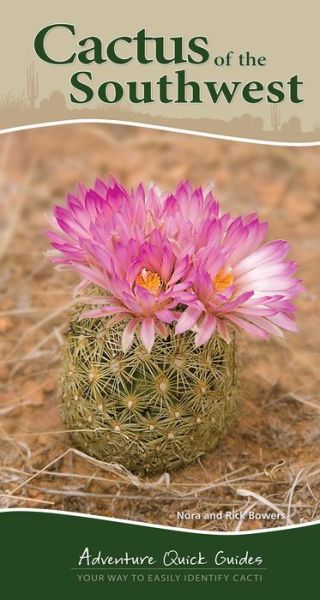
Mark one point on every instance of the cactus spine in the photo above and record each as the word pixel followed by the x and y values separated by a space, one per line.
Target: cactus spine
pixel 149 412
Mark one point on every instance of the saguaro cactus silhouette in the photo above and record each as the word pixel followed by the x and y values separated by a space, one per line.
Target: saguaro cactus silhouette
pixel 275 117
pixel 32 85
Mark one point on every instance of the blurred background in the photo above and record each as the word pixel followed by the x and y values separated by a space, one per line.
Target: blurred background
pixel 270 459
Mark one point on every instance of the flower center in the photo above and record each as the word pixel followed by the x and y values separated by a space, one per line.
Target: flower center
pixel 150 281
pixel 223 279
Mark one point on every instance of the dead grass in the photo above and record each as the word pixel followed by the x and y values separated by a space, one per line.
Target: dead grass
pixel 270 460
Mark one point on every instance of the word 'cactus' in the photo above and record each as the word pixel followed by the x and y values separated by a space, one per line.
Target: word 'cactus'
pixel 149 366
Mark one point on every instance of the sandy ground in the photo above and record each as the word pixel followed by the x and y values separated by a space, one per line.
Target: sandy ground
pixel 270 459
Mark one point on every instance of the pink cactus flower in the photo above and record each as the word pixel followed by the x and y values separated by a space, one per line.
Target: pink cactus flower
pixel 160 259
pixel 144 284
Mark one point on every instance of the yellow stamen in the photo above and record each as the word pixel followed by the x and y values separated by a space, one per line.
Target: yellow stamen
pixel 222 280
pixel 150 281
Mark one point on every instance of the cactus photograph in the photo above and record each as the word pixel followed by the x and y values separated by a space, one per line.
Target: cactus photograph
pixel 159 325
pixel 138 388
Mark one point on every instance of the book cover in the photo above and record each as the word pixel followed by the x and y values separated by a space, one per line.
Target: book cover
pixel 159 298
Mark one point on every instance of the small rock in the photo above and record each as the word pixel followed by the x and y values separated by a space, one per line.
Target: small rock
pixel 5 324
pixel 43 440
pixel 49 386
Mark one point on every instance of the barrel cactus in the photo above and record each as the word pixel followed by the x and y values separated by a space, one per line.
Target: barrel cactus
pixel 148 411
pixel 149 377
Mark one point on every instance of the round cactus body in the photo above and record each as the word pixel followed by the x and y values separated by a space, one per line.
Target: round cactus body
pixel 149 412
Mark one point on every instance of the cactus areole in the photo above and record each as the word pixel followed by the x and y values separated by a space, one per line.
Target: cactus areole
pixel 149 377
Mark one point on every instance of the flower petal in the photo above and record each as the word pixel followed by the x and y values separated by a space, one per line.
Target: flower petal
pixel 147 333
pixel 102 312
pixel 128 334
pixel 165 315
pixel 249 327
pixel 189 317
pixel 205 330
